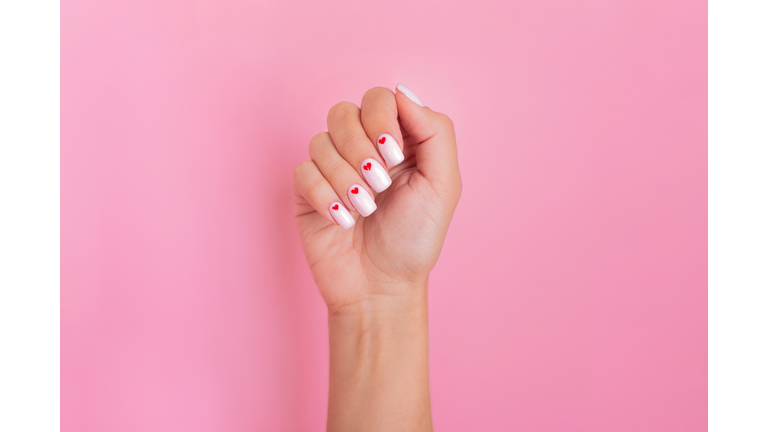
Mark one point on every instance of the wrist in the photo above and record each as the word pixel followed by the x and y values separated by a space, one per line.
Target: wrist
pixel 379 362
pixel 380 304
pixel 379 317
pixel 382 300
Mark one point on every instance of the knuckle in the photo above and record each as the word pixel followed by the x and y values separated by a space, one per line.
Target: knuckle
pixel 379 107
pixel 445 122
pixel 378 92
pixel 341 110
pixel 317 143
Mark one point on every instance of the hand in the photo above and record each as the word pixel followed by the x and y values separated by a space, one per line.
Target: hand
pixel 393 164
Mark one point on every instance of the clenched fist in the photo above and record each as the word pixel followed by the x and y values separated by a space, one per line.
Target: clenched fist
pixel 374 202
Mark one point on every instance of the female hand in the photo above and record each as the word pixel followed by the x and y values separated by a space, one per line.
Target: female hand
pixel 398 228
pixel 392 162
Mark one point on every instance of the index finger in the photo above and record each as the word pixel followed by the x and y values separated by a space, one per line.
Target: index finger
pixel 379 118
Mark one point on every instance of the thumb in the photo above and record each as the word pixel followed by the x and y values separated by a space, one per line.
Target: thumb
pixel 434 138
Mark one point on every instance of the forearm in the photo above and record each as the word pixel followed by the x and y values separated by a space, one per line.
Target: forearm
pixel 379 371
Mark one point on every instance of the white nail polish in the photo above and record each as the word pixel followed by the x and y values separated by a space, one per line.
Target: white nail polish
pixel 375 175
pixel 361 200
pixel 390 150
pixel 409 94
pixel 341 215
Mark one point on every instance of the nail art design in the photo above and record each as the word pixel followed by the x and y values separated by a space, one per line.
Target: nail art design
pixel 361 200
pixel 375 175
pixel 409 94
pixel 390 150
pixel 341 216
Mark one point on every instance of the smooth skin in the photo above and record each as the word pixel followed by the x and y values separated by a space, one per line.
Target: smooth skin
pixel 373 276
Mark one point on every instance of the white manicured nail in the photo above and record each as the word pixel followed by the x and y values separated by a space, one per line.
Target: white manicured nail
pixel 409 94
pixel 361 200
pixel 390 150
pixel 375 175
pixel 341 215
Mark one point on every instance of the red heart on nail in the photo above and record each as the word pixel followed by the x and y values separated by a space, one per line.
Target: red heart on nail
pixel 336 207
pixel 382 139
pixel 354 191
pixel 367 166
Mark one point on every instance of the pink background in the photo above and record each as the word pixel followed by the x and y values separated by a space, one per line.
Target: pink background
pixel 571 294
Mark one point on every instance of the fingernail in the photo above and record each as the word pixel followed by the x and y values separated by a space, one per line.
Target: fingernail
pixel 375 175
pixel 361 200
pixel 409 94
pixel 390 150
pixel 341 215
